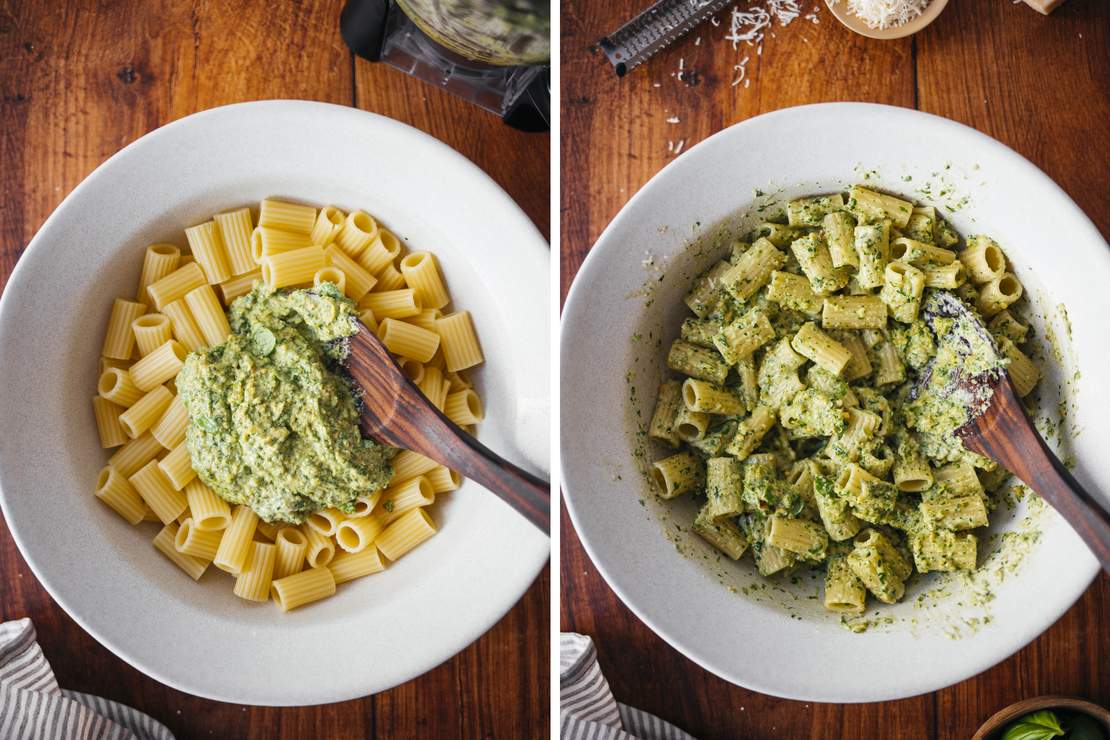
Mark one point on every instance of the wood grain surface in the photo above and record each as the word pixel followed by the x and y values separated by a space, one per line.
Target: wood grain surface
pixel 1039 84
pixel 79 80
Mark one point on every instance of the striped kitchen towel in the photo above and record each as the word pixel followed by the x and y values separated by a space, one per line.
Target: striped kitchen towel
pixel 587 710
pixel 33 707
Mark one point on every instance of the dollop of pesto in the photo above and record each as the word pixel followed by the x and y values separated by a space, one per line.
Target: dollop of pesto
pixel 272 422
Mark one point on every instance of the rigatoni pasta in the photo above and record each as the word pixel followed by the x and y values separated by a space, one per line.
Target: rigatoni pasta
pixel 792 412
pixel 182 307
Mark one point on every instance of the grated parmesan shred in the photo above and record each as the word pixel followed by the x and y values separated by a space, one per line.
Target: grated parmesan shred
pixel 881 14
pixel 748 26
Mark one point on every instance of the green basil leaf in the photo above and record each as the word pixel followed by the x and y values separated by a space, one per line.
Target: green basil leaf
pixel 1040 725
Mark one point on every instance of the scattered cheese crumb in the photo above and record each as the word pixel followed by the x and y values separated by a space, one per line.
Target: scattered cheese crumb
pixel 678 147
pixel 673 119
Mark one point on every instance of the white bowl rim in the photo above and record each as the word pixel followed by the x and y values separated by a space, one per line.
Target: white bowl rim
pixel 1088 570
pixel 508 209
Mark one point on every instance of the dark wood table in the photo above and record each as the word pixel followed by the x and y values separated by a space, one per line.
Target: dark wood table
pixel 78 81
pixel 1040 85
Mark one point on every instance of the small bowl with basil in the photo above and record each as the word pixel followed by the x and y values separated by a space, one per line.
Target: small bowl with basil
pixel 1047 717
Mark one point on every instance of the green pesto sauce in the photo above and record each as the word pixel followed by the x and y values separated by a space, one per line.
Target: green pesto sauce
pixel 945 405
pixel 272 423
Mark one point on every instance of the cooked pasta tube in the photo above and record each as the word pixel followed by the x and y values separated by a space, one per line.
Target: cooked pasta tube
pixel 253 581
pixel 330 274
pixel 292 217
pixel 185 328
pixel 409 530
pixel 178 467
pixel 406 495
pixel 356 234
pixel 159 260
pixel 135 454
pixel 872 252
pixel 117 492
pixel 839 228
pixel 238 286
pixel 326 521
pixel 443 479
pixel 208 248
pixel 291 545
pixel 151 330
pixel 464 408
pixel 119 340
pixel 169 430
pixel 235 231
pixel 364 505
pixel 143 414
pixel 998 294
pixel 235 543
pixel 358 281
pixel 328 223
pixel 347 566
pixel 292 268
pixel 210 513
pixel 389 278
pixel 302 588
pixel 209 314
pixel 823 350
pixel 268 242
pixel 393 304
pixel 200 544
pixel 678 474
pixel 174 286
pixel 108 427
pixel 165 501
pixel 844 592
pixel 983 259
pixel 320 549
pixel 434 388
pixel 159 366
pixel 902 288
pixel 422 274
pixel 853 312
pixel 869 205
pixel 408 340
pixel 460 343
pixel 380 254
pixel 355 535
pixel 164 543
pixel 117 386
pixel 408 464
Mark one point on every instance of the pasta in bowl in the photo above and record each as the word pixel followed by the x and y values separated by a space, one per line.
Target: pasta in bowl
pixel 796 406
pixel 376 631
pixel 262 417
pixel 948 624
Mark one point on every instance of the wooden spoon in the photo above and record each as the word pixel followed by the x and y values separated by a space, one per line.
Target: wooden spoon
pixel 396 413
pixel 999 428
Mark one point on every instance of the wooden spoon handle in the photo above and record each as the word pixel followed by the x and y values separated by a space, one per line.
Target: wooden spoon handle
pixel 1008 436
pixel 396 413
pixel 526 493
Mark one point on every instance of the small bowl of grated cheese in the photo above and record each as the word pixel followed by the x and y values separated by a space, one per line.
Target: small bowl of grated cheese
pixel 886 19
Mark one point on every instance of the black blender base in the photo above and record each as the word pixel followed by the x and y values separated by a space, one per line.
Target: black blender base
pixel 378 31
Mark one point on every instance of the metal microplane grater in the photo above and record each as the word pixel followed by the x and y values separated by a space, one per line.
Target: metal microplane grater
pixel 656 28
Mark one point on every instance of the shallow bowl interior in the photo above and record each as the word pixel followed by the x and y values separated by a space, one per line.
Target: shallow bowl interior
pixel 775 636
pixel 377 632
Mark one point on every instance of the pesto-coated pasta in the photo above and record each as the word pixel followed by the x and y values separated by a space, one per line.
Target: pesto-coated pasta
pixel 787 411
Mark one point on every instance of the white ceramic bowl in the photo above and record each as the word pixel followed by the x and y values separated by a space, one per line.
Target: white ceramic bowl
pixel 625 307
pixel 377 632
